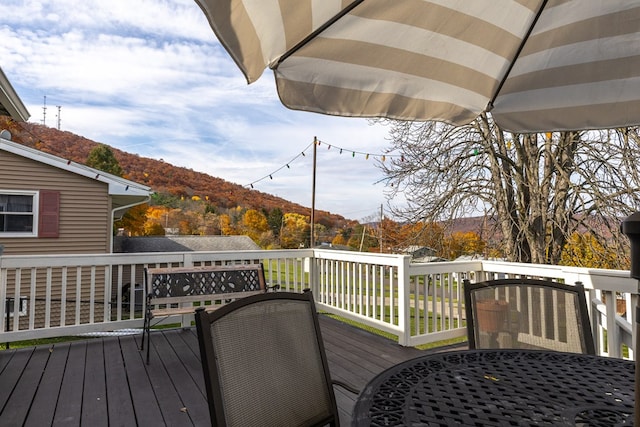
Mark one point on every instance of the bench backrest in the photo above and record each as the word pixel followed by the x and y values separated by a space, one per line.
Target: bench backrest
pixel 215 281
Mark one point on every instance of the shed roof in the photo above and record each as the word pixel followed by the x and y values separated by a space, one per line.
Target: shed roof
pixel 183 244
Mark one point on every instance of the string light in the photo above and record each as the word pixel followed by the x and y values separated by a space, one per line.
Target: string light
pixel 381 156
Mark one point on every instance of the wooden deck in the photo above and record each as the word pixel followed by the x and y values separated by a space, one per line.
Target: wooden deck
pixel 105 381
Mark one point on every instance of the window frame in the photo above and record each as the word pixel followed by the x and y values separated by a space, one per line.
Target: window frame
pixel 35 212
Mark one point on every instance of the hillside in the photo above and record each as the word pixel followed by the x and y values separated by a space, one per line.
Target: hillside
pixel 162 177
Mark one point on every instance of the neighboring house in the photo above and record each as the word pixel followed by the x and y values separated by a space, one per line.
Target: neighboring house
pixel 331 246
pixel 421 254
pixel 53 205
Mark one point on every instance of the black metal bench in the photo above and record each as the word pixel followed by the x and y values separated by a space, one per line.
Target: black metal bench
pixel 180 290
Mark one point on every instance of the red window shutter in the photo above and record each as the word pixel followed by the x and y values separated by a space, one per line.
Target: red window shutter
pixel 49 214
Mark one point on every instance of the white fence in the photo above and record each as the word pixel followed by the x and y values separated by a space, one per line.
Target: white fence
pixel 61 295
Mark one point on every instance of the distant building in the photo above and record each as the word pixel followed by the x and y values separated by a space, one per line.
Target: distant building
pixel 421 254
pixel 331 246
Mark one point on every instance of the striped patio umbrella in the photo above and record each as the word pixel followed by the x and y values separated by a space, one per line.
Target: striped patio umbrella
pixel 535 65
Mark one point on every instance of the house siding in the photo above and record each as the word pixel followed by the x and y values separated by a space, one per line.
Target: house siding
pixel 84 227
pixel 84 208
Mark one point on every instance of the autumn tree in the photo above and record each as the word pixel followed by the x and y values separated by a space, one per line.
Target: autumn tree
pixel 427 234
pixel 462 243
pixel 275 219
pixel 226 225
pixel 538 188
pixel 584 250
pixel 133 221
pixel 153 229
pixel 255 225
pixel 295 232
pixel 339 240
pixel 102 158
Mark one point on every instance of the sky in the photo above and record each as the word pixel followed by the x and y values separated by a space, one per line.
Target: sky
pixel 149 77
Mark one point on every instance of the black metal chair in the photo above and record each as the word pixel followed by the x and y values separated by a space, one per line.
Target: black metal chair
pixel 264 363
pixel 528 313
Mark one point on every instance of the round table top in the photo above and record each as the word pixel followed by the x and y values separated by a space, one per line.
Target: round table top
pixel 500 387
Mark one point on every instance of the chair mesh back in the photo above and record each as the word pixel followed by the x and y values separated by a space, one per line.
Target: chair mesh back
pixel 529 314
pixel 269 365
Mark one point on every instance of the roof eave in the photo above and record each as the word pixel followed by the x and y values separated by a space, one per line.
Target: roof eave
pixel 10 102
pixel 118 186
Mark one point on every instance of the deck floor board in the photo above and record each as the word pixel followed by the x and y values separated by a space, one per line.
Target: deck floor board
pixel 106 382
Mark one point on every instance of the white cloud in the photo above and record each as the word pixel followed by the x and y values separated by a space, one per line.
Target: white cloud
pixel 150 78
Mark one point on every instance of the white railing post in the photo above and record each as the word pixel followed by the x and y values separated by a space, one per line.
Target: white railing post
pixel 404 302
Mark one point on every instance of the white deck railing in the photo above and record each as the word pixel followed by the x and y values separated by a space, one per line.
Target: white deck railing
pixel 62 295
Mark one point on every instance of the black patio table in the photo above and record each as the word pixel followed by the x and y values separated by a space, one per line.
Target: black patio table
pixel 498 388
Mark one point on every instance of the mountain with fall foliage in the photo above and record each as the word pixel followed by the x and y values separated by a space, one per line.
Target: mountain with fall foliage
pixel 161 176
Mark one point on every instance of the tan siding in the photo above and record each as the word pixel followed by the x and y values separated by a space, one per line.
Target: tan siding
pixel 84 207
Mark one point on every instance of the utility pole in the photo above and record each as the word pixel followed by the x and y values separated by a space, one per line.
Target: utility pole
pixel 313 195
pixel 59 119
pixel 44 111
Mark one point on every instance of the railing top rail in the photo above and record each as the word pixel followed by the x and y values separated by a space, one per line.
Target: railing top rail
pixel 363 257
pixel 79 260
pixel 444 267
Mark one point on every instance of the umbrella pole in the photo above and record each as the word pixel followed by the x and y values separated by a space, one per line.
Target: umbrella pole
pixel 636 353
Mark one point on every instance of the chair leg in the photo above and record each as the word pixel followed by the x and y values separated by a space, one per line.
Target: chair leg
pixel 144 331
pixel 148 344
pixel 146 335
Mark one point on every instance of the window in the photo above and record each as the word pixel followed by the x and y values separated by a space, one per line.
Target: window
pixel 18 213
pixel 29 213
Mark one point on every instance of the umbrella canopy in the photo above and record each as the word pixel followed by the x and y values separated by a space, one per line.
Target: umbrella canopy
pixel 535 65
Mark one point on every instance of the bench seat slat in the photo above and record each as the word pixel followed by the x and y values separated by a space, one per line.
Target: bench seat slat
pixel 203 298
